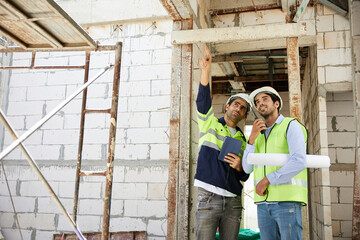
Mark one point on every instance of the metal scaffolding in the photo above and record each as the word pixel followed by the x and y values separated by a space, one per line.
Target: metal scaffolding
pixel 108 173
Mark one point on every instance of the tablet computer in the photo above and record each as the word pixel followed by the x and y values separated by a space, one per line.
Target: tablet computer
pixel 231 145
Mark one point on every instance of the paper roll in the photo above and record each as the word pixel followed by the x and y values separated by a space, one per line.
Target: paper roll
pixel 279 159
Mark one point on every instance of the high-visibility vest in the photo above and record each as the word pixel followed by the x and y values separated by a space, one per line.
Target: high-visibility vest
pixel 296 189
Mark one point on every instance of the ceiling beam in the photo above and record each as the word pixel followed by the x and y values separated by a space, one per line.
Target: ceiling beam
pixel 221 7
pixel 58 11
pixel 250 33
pixel 264 44
pixel 253 78
pixel 180 10
pixel 12 37
pixel 239 57
pixel 18 14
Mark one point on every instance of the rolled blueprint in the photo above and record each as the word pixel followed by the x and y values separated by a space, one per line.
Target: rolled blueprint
pixel 279 159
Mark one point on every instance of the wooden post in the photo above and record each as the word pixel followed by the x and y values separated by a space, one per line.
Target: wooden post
pixel 179 149
pixel 292 46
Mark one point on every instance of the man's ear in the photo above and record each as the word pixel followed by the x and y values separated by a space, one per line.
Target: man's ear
pixel 226 107
pixel 277 104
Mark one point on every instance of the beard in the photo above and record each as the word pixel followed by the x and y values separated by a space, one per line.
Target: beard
pixel 235 116
pixel 265 112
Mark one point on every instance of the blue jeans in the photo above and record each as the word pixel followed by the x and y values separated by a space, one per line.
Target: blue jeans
pixel 215 211
pixel 280 220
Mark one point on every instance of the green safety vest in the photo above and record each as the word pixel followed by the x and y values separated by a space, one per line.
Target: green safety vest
pixel 213 132
pixel 296 189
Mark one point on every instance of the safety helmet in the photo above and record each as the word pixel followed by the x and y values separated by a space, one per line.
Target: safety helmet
pixel 242 96
pixel 268 90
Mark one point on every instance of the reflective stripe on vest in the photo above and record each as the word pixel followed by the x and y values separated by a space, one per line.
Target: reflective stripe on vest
pixel 296 189
pixel 213 133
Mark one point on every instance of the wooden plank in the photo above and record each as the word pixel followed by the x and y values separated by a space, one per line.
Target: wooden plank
pixel 249 33
pixel 42 33
pixel 179 153
pixel 14 38
pixel 216 5
pixel 263 44
pixel 70 22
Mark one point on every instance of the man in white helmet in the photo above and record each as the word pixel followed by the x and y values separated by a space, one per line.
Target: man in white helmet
pixel 218 180
pixel 279 191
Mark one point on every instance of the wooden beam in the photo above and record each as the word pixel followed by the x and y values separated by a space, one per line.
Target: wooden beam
pixel 223 70
pixel 179 145
pixel 238 57
pixel 234 68
pixel 58 11
pixel 180 10
pixel 254 78
pixel 250 33
pixel 37 29
pixel 263 44
pixel 228 7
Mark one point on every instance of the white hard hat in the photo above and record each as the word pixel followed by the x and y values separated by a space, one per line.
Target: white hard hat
pixel 244 97
pixel 268 90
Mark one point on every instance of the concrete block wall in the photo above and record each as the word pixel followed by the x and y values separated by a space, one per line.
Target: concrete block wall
pixel 139 196
pixel 333 46
pixel 314 117
pixel 334 66
pixel 341 141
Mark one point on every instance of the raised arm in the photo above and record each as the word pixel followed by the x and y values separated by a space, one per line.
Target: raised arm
pixel 205 64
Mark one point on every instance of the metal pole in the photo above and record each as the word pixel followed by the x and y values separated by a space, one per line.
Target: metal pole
pixel 37 125
pixel 111 147
pixel 81 137
pixel 41 176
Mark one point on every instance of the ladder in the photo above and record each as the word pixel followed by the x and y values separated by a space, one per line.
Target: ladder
pixel 108 173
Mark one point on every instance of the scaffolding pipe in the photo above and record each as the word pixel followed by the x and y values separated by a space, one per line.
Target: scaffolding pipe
pixel 41 176
pixel 37 125
pixel 81 138
pixel 111 147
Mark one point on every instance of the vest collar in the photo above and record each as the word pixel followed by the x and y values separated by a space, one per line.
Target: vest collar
pixel 222 121
pixel 278 120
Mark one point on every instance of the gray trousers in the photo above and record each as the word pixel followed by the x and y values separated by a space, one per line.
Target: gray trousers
pixel 215 211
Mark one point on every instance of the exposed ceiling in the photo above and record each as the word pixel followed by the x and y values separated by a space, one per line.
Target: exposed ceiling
pixel 246 71
pixel 41 24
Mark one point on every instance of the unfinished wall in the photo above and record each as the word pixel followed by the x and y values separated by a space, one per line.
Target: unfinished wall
pixel 139 197
pixel 341 133
pixel 314 115
pixel 334 74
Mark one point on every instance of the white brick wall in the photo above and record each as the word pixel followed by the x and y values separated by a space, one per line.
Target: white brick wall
pixel 138 208
pixel 140 188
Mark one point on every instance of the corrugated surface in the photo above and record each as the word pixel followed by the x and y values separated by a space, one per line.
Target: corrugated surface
pixel 41 24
